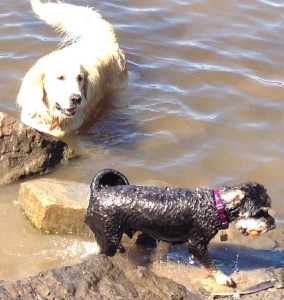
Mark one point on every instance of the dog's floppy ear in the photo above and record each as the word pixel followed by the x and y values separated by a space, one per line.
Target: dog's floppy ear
pixel 31 97
pixel 85 84
pixel 232 198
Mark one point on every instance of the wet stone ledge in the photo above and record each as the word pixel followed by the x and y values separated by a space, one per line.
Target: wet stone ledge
pixel 98 277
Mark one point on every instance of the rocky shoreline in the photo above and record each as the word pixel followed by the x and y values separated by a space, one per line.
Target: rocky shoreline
pixel 97 277
pixel 103 278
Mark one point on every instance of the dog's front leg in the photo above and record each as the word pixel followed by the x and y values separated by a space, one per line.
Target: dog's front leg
pixel 202 255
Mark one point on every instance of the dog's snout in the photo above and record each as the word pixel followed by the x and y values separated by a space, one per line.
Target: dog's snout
pixel 75 99
pixel 271 222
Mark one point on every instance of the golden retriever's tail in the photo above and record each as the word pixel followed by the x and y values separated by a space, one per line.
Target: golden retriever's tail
pixel 76 22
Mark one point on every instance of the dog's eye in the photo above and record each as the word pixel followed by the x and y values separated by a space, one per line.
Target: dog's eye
pixel 61 77
pixel 80 78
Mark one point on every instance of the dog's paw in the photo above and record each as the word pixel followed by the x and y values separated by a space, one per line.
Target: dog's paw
pixel 96 248
pixel 221 278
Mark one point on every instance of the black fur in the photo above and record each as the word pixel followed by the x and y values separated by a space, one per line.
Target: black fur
pixel 175 215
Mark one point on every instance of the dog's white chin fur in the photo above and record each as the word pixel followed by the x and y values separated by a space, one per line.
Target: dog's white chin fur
pixel 246 225
pixel 93 66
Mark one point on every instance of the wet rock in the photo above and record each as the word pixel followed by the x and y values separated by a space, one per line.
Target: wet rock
pixel 97 277
pixel 55 206
pixel 26 152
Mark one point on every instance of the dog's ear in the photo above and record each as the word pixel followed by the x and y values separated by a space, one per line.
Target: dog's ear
pixel 85 84
pixel 232 198
pixel 32 96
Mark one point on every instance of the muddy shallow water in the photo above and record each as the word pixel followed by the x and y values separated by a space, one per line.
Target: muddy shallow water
pixel 204 107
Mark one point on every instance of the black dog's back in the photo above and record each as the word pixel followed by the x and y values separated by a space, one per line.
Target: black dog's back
pixel 116 207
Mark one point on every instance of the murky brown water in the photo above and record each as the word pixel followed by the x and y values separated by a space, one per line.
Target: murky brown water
pixel 204 107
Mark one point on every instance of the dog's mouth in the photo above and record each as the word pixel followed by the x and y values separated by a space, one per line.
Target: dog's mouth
pixel 68 112
pixel 252 232
pixel 253 226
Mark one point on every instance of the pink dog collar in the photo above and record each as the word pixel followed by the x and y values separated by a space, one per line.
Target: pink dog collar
pixel 221 209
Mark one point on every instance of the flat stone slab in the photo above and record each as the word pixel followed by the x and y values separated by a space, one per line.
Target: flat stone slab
pixel 55 206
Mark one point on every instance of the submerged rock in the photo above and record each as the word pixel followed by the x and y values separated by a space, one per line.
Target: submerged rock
pixel 97 277
pixel 26 152
pixel 54 205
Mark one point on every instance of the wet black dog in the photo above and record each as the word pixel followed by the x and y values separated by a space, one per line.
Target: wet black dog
pixel 174 215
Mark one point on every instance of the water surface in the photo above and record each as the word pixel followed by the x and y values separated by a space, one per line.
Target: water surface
pixel 204 107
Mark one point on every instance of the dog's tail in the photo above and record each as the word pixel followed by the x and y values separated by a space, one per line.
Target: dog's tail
pixel 108 177
pixel 76 22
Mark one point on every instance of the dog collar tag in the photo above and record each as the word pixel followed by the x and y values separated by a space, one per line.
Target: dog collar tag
pixel 223 236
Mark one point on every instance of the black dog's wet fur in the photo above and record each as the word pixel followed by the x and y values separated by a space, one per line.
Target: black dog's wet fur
pixel 175 215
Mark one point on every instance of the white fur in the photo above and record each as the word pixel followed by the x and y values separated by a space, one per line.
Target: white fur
pixel 91 66
pixel 232 198
pixel 249 224
pixel 96 250
pixel 221 278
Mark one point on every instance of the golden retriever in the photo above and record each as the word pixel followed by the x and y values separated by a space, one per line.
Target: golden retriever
pixel 61 91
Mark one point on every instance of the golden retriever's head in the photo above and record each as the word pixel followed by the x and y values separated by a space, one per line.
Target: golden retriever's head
pixel 64 86
pixel 53 89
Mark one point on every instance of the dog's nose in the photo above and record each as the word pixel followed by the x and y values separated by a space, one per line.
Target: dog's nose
pixel 75 99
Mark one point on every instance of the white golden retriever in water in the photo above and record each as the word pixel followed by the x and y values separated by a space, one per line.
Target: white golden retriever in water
pixel 60 92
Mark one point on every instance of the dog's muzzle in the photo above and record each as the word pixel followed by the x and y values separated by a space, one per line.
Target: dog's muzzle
pixel 255 226
pixel 75 101
pixel 256 232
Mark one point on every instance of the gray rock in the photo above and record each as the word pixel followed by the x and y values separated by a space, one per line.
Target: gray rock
pixel 97 277
pixel 26 152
